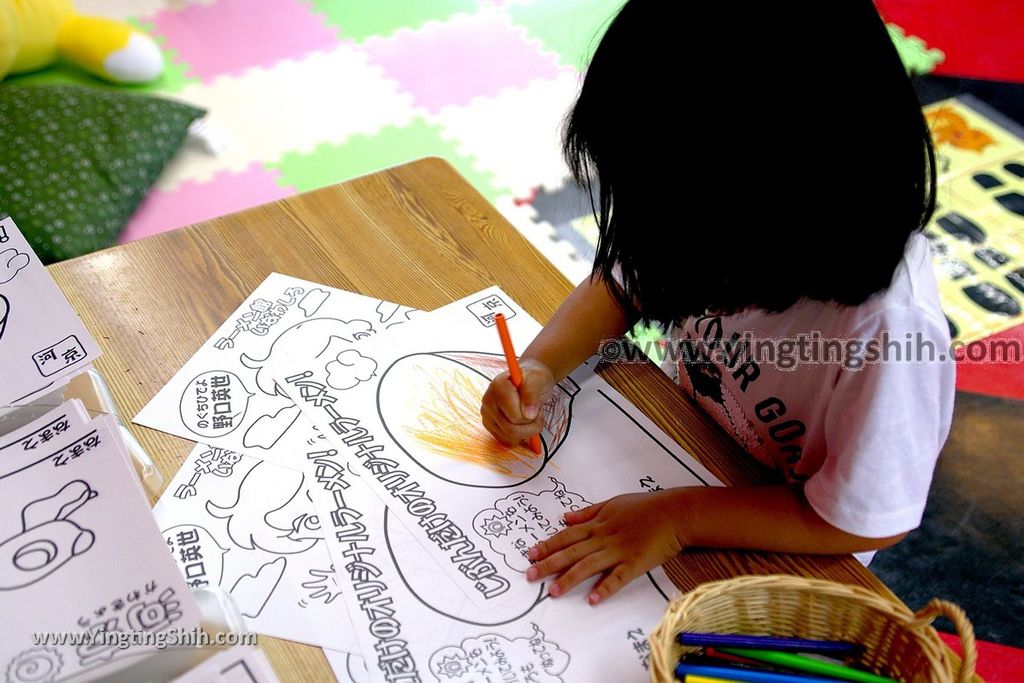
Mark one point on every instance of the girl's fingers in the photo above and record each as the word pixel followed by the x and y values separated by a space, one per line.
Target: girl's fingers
pixel 563 560
pixel 496 430
pixel 563 539
pixel 584 515
pixel 611 584
pixel 507 400
pixel 594 563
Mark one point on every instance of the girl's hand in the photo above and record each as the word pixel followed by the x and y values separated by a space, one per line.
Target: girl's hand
pixel 622 538
pixel 514 416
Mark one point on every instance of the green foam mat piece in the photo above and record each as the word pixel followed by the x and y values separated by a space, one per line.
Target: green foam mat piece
pixel 646 338
pixel 570 28
pixel 358 23
pixel 917 57
pixel 333 163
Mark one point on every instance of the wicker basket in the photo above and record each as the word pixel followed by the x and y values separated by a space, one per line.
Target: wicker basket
pixel 898 643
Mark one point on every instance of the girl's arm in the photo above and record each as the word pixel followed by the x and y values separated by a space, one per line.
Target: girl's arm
pixel 589 315
pixel 628 535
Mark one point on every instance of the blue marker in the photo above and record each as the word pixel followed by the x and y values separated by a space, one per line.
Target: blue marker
pixel 821 647
pixel 744 675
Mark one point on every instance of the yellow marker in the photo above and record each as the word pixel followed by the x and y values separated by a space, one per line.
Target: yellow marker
pixel 690 678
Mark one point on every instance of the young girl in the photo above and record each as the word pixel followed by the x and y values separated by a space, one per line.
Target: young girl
pixel 781 205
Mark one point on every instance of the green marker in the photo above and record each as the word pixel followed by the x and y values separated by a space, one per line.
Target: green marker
pixel 801 663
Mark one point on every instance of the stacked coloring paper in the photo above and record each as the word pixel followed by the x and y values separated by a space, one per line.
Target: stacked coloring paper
pixel 84 571
pixel 345 492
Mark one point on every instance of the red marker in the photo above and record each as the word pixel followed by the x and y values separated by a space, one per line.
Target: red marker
pixel 514 373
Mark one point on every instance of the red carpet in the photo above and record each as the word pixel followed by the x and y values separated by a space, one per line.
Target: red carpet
pixel 981 38
pixel 996 663
pixel 1005 380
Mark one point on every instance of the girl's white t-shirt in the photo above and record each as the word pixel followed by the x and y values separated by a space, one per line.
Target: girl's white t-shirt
pixel 862 437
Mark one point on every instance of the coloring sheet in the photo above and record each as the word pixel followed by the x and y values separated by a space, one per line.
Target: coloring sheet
pixel 42 341
pixel 80 554
pixel 226 395
pixel 239 664
pixel 36 435
pixel 248 526
pixel 347 667
pixel 413 433
pixel 414 623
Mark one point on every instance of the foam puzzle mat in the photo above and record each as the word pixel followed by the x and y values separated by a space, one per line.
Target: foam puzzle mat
pixel 306 93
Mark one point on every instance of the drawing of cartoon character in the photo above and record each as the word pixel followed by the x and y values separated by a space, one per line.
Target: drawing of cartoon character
pixel 316 342
pixel 48 539
pixel 282 525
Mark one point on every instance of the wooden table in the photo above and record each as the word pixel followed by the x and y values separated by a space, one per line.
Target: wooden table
pixel 417 234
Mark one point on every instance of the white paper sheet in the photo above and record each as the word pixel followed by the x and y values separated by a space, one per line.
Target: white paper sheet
pixel 413 432
pixel 226 394
pixel 347 667
pixel 80 553
pixel 42 341
pixel 414 624
pixel 43 430
pixel 248 526
pixel 239 664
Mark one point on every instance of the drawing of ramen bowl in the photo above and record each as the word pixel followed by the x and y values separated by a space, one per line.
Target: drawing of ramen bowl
pixel 430 406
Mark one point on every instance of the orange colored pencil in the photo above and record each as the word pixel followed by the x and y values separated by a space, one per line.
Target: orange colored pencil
pixel 514 372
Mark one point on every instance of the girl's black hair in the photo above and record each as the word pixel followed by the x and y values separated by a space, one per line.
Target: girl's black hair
pixel 795 166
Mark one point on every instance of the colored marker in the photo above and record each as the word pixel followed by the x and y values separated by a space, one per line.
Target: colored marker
pixel 514 373
pixel 813 666
pixel 720 640
pixel 684 671
pixel 704 679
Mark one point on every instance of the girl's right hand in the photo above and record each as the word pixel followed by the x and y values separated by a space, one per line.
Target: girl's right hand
pixel 511 415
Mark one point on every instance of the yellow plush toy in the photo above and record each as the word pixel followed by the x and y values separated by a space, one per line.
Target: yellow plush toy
pixel 34 33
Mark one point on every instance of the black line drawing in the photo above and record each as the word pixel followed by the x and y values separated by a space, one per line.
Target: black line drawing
pixel 355 667
pixel 214 403
pixel 278 525
pixel 485 309
pixel 514 524
pixel 35 665
pixel 664 591
pixel 33 440
pixel 61 457
pixel 155 615
pixel 447 433
pixel 5 311
pixel 393 314
pixel 197 552
pixel 48 539
pixel 4 237
pixel 323 585
pixel 251 592
pixel 65 353
pixel 653 438
pixel 11 261
pixel 312 301
pixel 348 369
pixel 238 671
pixel 40 390
pixel 395 534
pixel 300 345
pixel 267 430
pixel 479 658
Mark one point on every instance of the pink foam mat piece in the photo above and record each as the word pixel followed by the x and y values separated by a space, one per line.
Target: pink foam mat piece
pixel 467 56
pixel 192 202
pixel 231 36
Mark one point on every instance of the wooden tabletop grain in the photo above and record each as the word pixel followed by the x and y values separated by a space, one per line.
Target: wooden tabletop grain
pixel 417 234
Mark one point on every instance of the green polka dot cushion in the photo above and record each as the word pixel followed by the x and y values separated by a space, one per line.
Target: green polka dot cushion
pixel 75 162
